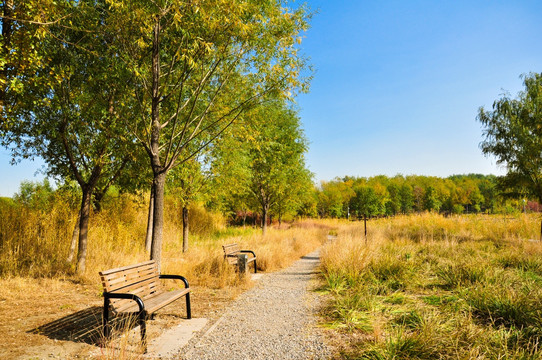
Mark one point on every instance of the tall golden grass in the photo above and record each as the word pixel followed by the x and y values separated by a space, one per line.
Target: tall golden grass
pixel 430 287
pixel 35 243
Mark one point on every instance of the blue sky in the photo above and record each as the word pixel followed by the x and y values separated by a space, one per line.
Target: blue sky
pixel 398 85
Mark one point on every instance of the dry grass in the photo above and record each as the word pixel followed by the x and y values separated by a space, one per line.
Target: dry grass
pixel 41 295
pixel 429 287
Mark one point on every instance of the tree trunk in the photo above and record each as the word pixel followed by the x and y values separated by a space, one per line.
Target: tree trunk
pixel 265 210
pixel 158 217
pixel 540 231
pixel 83 229
pixel 148 238
pixel 159 172
pixel 73 244
pixel 365 227
pixel 159 180
pixel 185 229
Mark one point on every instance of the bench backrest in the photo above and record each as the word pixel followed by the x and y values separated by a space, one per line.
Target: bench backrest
pixel 230 252
pixel 139 279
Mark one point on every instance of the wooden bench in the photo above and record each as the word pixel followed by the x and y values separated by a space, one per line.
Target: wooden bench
pixel 232 252
pixel 137 289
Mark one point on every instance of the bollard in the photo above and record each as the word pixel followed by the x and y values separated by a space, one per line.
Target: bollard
pixel 242 263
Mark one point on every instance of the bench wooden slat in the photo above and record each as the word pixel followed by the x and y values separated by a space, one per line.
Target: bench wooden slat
pixel 107 272
pixel 122 283
pixel 154 303
pixel 112 280
pixel 145 289
pixel 129 274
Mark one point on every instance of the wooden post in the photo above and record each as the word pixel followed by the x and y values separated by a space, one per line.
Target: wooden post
pixel 242 263
pixel 365 222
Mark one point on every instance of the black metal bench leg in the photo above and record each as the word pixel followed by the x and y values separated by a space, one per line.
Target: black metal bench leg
pixel 105 319
pixel 188 309
pixel 255 268
pixel 143 328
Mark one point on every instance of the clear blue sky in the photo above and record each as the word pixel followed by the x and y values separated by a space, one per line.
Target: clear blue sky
pixel 398 84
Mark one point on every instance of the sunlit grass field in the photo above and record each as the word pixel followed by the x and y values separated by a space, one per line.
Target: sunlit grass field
pixel 430 287
pixel 39 286
pixel 35 243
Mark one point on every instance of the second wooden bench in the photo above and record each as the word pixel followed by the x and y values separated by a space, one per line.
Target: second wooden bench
pixel 232 252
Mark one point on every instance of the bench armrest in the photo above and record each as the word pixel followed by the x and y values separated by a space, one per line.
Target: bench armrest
pixel 137 299
pixel 177 277
pixel 249 252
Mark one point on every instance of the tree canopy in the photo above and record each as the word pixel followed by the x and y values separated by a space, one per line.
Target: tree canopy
pixel 513 134
pixel 170 76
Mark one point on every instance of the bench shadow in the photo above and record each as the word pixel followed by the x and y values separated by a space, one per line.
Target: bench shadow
pixel 84 326
pixel 310 257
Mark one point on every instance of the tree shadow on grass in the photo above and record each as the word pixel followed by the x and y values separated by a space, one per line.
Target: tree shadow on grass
pixel 83 326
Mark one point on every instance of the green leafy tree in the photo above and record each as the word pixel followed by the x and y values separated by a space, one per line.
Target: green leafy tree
pixel 196 66
pixel 188 181
pixel 230 173
pixel 35 195
pixel 513 134
pixel 489 192
pixel 25 24
pixel 276 152
pixel 366 202
pixel 295 193
pixel 393 205
pixel 334 198
pixel 431 199
pixel 407 198
pixel 70 120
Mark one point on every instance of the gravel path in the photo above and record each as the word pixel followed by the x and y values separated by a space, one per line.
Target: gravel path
pixel 274 320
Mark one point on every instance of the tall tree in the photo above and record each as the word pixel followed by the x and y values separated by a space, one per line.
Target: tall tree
pixel 294 193
pixel 366 202
pixel 230 173
pixel 334 198
pixel 513 134
pixel 196 66
pixel 276 150
pixel 189 182
pixel 69 118
pixel 407 198
pixel 393 206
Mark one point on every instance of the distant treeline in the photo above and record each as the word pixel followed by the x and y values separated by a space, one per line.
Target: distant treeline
pixel 381 195
pixel 347 197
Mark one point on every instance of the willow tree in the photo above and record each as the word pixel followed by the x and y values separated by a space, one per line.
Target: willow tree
pixel 196 66
pixel 513 134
